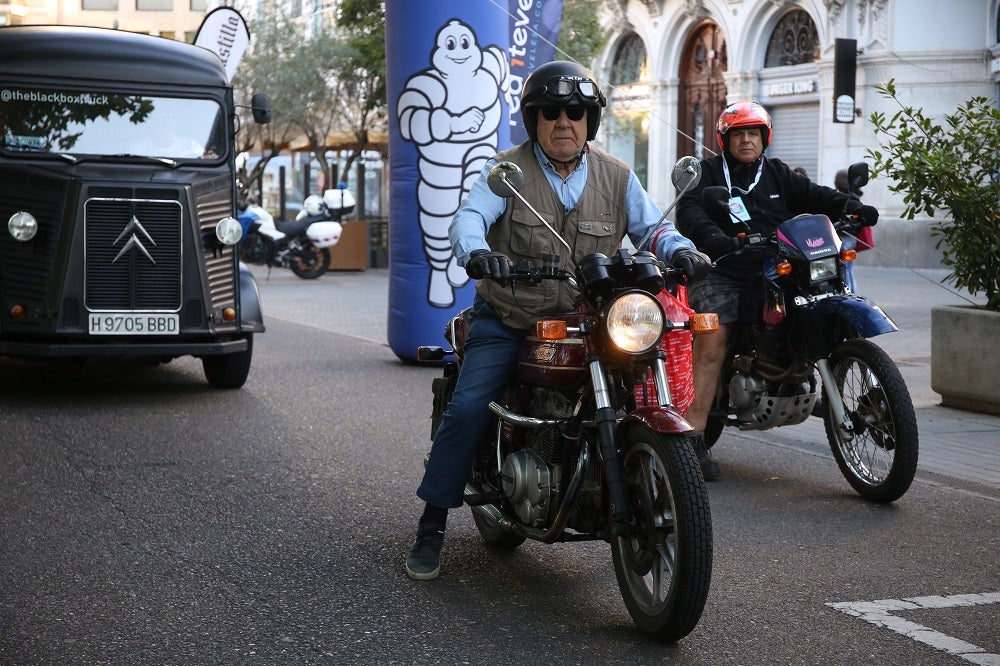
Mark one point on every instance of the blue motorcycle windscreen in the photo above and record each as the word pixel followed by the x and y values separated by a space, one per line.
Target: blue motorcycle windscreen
pixel 809 237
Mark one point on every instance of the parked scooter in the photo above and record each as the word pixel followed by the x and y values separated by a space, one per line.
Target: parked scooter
pixel 573 455
pixel 303 245
pixel 800 321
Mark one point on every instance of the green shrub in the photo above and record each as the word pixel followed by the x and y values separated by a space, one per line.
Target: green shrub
pixel 953 167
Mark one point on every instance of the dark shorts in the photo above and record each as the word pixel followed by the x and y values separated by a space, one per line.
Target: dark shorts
pixel 717 294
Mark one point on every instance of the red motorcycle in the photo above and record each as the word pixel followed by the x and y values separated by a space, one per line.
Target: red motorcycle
pixel 577 453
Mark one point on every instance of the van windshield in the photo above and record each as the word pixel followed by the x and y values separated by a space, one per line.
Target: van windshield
pixel 71 122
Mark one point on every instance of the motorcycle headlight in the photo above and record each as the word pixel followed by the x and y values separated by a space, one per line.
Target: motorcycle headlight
pixel 821 269
pixel 22 226
pixel 635 322
pixel 229 231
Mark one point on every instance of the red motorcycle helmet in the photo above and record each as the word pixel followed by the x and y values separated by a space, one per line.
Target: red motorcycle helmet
pixel 743 114
pixel 561 83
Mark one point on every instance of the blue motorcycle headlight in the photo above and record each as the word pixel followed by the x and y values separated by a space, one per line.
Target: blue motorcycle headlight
pixel 822 269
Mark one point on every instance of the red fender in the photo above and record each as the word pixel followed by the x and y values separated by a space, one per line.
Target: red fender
pixel 664 420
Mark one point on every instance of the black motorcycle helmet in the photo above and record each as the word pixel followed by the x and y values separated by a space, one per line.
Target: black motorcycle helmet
pixel 561 83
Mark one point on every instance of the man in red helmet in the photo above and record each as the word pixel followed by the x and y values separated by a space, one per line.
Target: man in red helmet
pixel 763 193
pixel 594 200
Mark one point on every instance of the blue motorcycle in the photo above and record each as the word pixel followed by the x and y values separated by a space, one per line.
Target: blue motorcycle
pixel 802 348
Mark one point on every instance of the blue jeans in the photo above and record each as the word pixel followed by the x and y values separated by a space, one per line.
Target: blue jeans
pixel 489 365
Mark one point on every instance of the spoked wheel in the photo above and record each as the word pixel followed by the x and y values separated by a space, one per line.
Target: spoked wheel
pixel 880 460
pixel 310 262
pixel 665 567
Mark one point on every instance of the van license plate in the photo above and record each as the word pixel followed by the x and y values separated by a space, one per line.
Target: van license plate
pixel 132 323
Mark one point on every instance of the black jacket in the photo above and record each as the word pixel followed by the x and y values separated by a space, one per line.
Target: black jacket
pixel 779 195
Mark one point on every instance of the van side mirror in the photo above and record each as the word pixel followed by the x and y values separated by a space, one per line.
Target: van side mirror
pixel 260 106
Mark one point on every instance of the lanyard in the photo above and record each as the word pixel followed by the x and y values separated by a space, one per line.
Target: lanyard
pixel 725 171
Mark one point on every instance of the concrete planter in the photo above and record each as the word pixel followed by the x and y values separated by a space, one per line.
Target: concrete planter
pixel 965 357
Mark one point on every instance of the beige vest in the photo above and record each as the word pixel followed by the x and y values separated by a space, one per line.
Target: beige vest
pixel 597 224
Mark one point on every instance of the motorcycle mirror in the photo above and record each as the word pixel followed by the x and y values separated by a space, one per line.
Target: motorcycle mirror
pixel 857 175
pixel 505 179
pixel 686 173
pixel 716 199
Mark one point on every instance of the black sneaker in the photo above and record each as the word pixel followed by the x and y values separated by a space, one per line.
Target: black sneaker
pixel 709 468
pixel 424 560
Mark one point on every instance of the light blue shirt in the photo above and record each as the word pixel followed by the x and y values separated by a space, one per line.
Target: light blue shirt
pixel 481 209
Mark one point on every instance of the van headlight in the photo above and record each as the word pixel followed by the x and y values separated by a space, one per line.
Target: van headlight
pixel 822 269
pixel 22 226
pixel 229 231
pixel 635 322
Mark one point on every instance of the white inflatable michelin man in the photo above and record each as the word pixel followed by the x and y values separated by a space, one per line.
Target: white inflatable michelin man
pixel 452 112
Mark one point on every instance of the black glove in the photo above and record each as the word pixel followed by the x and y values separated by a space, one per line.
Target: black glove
pixel 486 264
pixel 693 263
pixel 868 216
pixel 720 244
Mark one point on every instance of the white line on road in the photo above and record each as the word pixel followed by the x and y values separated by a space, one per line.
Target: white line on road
pixel 880 613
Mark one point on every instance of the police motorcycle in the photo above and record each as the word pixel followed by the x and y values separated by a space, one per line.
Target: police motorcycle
pixel 303 245
pixel 574 455
pixel 800 321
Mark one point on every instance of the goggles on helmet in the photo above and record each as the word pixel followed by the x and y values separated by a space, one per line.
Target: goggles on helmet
pixel 563 87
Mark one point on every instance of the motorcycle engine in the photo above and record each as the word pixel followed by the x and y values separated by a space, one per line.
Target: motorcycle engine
pixel 530 476
pixel 257 249
pixel 760 404
pixel 527 484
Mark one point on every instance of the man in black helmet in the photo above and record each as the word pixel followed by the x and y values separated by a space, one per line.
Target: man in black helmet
pixel 593 200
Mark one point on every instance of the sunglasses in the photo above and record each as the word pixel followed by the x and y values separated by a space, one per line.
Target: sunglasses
pixel 574 113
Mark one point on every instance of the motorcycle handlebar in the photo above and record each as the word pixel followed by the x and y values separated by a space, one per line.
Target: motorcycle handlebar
pixel 526 271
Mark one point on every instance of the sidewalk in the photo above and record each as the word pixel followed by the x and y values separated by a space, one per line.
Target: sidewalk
pixel 953 443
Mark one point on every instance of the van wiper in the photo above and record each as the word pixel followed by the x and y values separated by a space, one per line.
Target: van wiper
pixel 173 164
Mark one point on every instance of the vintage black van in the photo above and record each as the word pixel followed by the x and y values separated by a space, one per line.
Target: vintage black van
pixel 117 200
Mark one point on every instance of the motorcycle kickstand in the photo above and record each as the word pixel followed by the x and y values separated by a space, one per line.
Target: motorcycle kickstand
pixel 844 424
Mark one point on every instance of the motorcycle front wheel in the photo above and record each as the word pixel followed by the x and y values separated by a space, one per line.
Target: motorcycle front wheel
pixel 309 262
pixel 880 460
pixel 664 568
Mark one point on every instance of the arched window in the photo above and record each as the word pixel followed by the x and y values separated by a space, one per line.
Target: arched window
pixel 630 61
pixel 794 41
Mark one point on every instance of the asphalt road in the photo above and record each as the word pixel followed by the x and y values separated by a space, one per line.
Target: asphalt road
pixel 148 519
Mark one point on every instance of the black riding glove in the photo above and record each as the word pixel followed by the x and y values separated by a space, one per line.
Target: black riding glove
pixel 486 264
pixel 693 263
pixel 720 244
pixel 868 216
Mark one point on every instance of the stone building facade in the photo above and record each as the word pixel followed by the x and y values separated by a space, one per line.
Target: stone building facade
pixel 671 65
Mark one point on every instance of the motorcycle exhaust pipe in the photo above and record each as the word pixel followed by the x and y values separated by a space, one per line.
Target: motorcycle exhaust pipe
pixel 519 420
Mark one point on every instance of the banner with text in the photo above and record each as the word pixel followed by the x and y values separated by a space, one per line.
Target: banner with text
pixel 453 98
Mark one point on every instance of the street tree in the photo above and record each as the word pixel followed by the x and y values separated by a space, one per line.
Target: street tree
pixel 275 35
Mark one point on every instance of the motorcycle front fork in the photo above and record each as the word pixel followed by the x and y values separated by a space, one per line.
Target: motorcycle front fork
pixel 835 400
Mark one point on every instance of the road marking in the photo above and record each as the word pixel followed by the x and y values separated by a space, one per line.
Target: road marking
pixel 880 613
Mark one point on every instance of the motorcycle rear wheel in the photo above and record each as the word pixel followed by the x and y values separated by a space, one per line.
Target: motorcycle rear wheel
pixel 881 459
pixel 664 569
pixel 310 262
